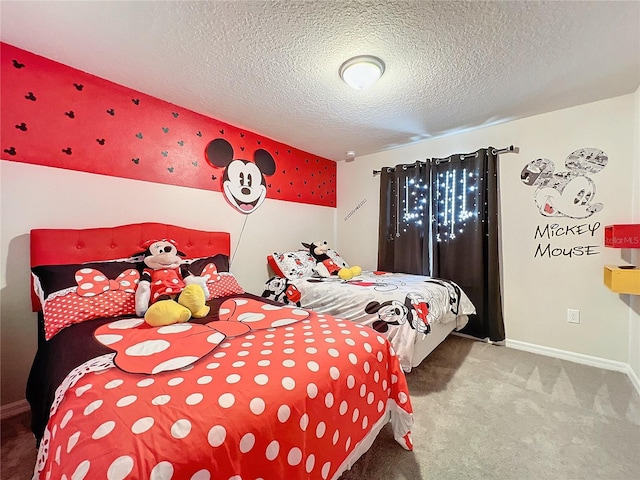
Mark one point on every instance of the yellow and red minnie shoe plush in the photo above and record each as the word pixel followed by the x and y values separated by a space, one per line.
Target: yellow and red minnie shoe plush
pixel 190 302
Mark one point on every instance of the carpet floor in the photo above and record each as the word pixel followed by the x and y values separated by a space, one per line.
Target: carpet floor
pixel 481 412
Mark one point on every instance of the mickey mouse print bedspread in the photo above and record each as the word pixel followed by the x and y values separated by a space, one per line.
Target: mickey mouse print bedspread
pixel 403 307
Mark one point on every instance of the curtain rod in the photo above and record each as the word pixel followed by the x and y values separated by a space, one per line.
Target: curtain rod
pixel 495 151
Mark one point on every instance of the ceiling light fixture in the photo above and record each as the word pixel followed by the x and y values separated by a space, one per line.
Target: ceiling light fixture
pixel 362 71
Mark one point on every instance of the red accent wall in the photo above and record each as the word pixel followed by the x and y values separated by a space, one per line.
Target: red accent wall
pixel 57 116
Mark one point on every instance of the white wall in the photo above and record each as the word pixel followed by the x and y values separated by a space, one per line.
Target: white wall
pixel 43 197
pixel 634 313
pixel 536 291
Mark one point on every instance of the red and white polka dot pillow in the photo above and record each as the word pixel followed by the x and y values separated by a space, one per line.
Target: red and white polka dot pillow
pixel 197 265
pixel 220 284
pixel 72 294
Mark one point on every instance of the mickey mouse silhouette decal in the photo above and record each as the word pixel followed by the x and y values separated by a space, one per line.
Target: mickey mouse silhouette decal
pixel 566 194
pixel 243 182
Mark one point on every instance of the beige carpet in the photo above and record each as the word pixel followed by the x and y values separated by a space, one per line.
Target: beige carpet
pixel 488 412
pixel 481 412
pixel 18 448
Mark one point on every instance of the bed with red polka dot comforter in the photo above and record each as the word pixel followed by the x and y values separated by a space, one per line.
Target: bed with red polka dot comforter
pixel 301 396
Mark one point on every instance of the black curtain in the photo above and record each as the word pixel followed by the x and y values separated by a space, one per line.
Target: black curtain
pixel 403 241
pixel 455 235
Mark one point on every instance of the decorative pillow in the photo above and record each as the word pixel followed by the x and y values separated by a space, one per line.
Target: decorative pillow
pixel 292 265
pixel 219 284
pixel 271 261
pixel 335 256
pixel 197 265
pixel 72 294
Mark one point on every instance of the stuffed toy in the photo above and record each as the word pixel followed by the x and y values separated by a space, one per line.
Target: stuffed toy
pixel 280 290
pixel 168 292
pixel 325 266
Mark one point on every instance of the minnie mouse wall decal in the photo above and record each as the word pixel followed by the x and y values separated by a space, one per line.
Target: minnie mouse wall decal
pixel 243 182
pixel 566 194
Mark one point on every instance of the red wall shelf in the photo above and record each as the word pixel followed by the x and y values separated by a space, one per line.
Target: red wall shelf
pixel 622 279
pixel 622 236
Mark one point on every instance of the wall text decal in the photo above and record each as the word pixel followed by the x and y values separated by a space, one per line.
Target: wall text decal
pixel 569 194
pixel 355 209
pixel 558 233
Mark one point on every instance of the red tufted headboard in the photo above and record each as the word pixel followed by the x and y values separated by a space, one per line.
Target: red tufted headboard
pixel 54 246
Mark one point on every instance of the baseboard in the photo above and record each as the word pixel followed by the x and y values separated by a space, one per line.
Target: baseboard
pixel 578 358
pixel 12 409
pixel 471 337
pixel 635 379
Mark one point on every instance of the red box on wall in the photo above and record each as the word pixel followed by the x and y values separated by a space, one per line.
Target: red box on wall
pixel 622 236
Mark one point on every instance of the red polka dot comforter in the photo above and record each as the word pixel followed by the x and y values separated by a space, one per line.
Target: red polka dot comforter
pixel 289 400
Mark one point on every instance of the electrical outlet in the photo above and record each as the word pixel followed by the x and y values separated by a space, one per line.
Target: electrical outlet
pixel 573 316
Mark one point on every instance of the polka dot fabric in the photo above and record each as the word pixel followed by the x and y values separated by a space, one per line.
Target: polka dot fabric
pixel 220 284
pixel 93 282
pixel 63 310
pixel 141 348
pixel 86 294
pixel 292 401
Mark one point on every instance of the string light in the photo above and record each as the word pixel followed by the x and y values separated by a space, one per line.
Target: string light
pixel 455 202
pixel 414 202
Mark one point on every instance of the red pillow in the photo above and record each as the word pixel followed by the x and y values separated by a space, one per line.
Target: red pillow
pixel 220 284
pixel 72 294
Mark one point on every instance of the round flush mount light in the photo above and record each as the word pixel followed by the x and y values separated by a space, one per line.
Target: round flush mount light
pixel 362 71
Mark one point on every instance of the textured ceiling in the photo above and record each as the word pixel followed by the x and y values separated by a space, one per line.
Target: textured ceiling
pixel 272 67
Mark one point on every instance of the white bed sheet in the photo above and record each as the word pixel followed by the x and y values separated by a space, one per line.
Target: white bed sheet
pixel 398 309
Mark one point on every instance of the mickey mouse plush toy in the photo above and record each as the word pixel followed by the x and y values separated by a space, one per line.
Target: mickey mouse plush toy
pixel 325 266
pixel 168 292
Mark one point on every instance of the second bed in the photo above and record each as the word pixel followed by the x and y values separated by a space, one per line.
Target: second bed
pixel 416 313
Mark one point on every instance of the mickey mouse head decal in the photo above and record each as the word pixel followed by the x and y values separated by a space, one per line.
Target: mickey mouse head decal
pixel 566 194
pixel 243 182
